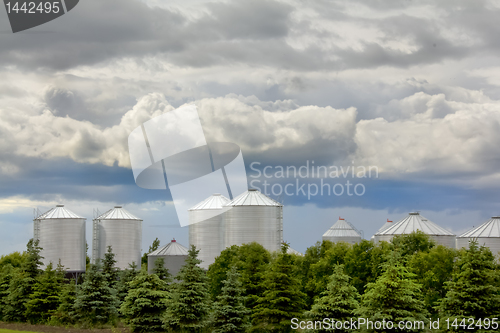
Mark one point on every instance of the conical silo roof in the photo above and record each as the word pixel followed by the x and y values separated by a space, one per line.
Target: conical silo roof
pixel 292 251
pixel 253 198
pixel 386 225
pixel 414 222
pixel 171 249
pixel 341 228
pixel 58 212
pixel 215 201
pixel 118 213
pixel 490 228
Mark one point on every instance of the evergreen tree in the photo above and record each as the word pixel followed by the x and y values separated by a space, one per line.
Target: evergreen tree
pixel 339 301
pixel 65 314
pixel 21 285
pixel 282 299
pixel 188 310
pixel 96 302
pixel 230 313
pixel 6 274
pixel 153 247
pixel 45 297
pixel 161 271
pixel 395 297
pixel 473 291
pixel 432 270
pixel 109 269
pixel 145 303
pixel 126 276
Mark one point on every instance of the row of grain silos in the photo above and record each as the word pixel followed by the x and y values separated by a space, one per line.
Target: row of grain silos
pixel 487 234
pixel 61 235
pixel 217 223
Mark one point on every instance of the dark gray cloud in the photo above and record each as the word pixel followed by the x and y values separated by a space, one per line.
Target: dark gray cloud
pixel 249 32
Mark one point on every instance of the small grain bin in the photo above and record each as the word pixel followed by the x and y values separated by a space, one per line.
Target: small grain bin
pixel 173 254
pixel 342 231
pixel 487 234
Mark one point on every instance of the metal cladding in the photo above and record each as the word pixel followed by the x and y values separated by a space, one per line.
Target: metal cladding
pixel 386 225
pixel 254 217
pixel 487 234
pixel 206 230
pixel 342 231
pixel 62 237
pixel 414 222
pixel 173 254
pixel 120 230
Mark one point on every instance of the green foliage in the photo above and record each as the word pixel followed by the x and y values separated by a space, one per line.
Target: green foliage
pixel 65 314
pixel 251 260
pixel 153 247
pixel 339 301
pixel 161 271
pixel 45 297
pixel 95 303
pixel 109 269
pixel 432 270
pixel 126 276
pixel 363 262
pixel 395 296
pixel 15 259
pixel 473 291
pixel 188 310
pixel 330 255
pixel 412 243
pixel 282 298
pixel 22 283
pixel 145 303
pixel 6 274
pixel 230 313
pixel 217 272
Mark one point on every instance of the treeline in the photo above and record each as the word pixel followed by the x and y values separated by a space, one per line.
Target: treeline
pixel 248 289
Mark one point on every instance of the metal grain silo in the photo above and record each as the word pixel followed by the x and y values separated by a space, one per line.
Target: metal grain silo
pixel 254 217
pixel 414 222
pixel 61 235
pixel 487 234
pixel 386 225
pixel 206 230
pixel 173 254
pixel 343 231
pixel 120 230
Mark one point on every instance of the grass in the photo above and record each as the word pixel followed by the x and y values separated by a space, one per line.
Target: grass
pixel 11 331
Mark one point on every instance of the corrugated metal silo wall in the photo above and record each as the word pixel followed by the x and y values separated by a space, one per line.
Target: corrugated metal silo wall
pixel 207 235
pixel 125 237
pixel 492 242
pixel 261 224
pixel 349 240
pixel 449 241
pixel 63 239
pixel 446 240
pixel 173 263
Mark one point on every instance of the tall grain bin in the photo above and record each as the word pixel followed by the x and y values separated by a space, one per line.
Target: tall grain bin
pixel 173 254
pixel 342 231
pixel 487 234
pixel 206 230
pixel 414 222
pixel 120 230
pixel 61 235
pixel 254 217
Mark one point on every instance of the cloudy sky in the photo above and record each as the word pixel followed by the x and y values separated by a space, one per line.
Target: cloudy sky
pixel 411 87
